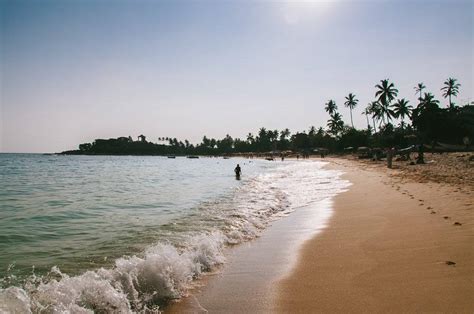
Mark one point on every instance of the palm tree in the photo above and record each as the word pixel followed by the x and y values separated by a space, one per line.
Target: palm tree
pixel 284 135
pixel 387 112
pixel 374 109
pixel 451 88
pixel 426 112
pixel 366 112
pixel 320 132
pixel 379 113
pixel 429 101
pixel 335 124
pixel 273 135
pixel 351 103
pixel 331 107
pixel 250 138
pixel 402 109
pixel 386 93
pixel 419 90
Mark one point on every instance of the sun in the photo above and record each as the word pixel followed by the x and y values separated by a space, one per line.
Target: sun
pixel 295 11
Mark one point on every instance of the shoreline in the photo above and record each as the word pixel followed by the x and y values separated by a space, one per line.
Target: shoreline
pixel 388 247
pixel 248 281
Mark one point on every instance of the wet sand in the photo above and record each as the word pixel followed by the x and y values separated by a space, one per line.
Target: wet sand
pixel 393 245
pixel 247 282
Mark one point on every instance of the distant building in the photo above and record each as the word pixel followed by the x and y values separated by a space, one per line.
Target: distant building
pixel 142 138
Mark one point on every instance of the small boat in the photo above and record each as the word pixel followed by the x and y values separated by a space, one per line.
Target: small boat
pixel 172 157
pixel 192 157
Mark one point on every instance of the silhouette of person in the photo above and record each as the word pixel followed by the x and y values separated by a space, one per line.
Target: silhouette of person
pixel 420 158
pixel 237 171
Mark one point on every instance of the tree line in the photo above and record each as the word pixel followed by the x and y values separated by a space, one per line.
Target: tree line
pixel 427 123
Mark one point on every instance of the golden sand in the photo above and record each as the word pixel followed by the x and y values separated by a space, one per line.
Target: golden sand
pixel 400 240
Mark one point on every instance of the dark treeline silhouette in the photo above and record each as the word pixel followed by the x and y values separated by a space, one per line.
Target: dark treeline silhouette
pixel 427 123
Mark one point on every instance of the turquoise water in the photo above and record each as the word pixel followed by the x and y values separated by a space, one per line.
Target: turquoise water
pixel 135 230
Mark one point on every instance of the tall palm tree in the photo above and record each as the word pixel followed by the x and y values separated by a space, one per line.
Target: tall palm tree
pixel 331 107
pixel 366 112
pixel 428 104
pixel 374 109
pixel 386 93
pixel 451 88
pixel 419 90
pixel 387 112
pixel 335 124
pixel 379 114
pixel 351 103
pixel 402 109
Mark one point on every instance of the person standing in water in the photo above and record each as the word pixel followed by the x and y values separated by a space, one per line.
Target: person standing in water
pixel 237 171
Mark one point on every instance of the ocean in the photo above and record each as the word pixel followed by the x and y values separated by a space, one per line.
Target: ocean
pixel 129 233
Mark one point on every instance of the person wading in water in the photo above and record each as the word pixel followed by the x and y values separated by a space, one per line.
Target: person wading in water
pixel 237 171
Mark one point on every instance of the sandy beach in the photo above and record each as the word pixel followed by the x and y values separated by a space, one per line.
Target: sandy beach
pixel 400 240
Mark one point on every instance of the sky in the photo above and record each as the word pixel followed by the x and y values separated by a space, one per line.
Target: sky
pixel 76 70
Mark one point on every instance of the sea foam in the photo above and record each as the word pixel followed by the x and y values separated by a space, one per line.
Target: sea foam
pixel 167 269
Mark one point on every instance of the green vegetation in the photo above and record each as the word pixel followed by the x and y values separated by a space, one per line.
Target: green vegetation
pixel 428 124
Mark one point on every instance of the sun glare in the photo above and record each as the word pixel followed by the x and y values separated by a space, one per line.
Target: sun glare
pixel 295 12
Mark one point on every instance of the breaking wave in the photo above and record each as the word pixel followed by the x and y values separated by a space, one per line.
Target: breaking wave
pixel 195 245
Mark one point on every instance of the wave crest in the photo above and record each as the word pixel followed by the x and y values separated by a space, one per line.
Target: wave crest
pixel 166 270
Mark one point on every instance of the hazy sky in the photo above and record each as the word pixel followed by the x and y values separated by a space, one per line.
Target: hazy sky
pixel 73 71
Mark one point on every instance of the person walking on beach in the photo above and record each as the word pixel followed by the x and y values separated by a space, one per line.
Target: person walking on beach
pixel 237 171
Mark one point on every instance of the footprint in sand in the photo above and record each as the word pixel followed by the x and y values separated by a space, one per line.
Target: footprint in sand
pixel 450 263
pixel 433 212
pixel 446 217
pixel 429 207
pixel 457 224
